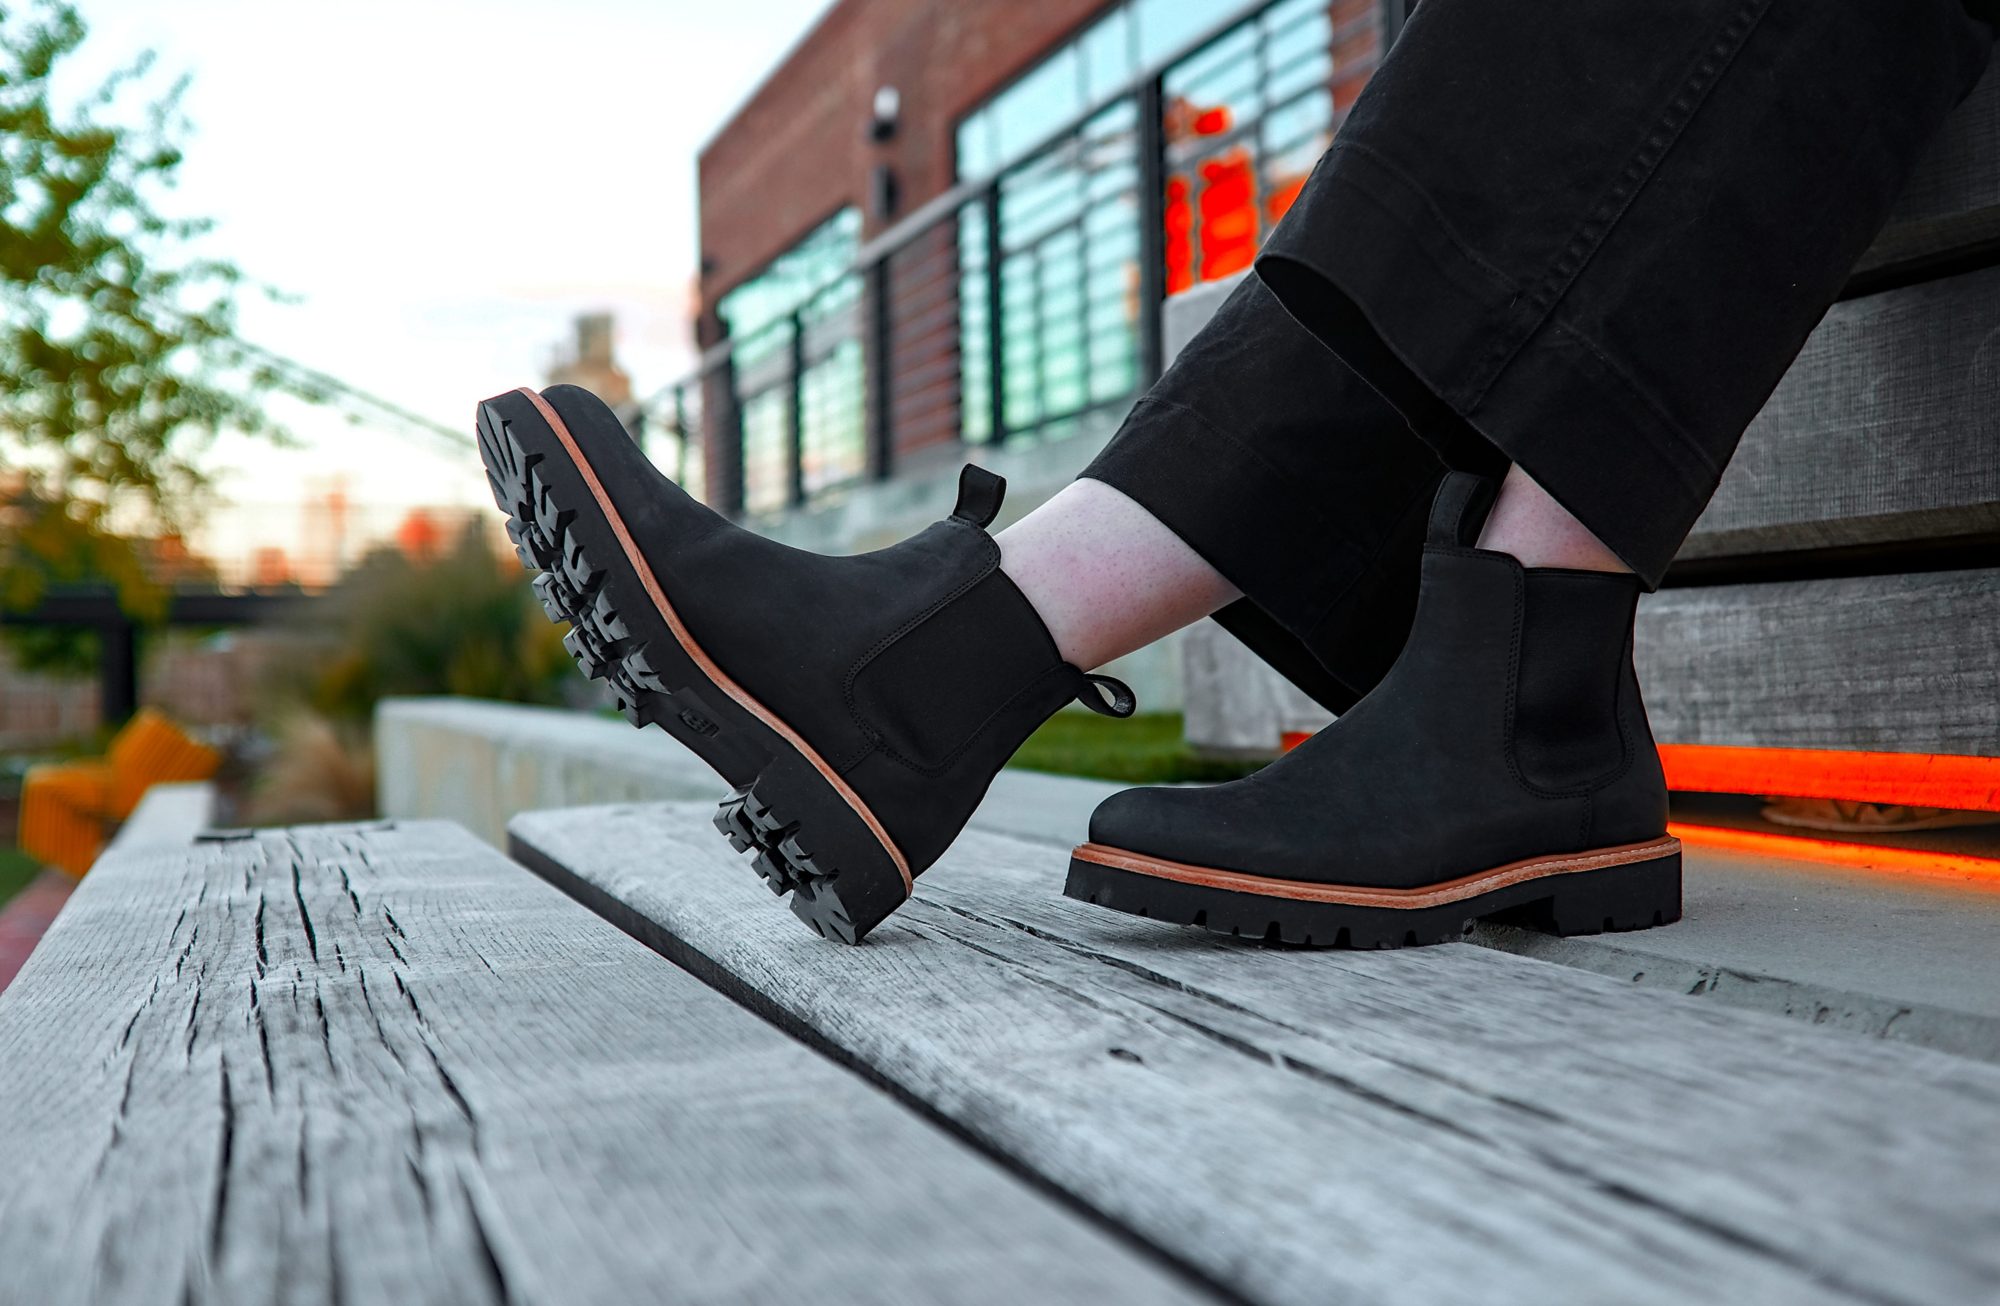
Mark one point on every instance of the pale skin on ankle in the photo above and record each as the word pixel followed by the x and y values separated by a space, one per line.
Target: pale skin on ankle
pixel 1527 523
pixel 1107 577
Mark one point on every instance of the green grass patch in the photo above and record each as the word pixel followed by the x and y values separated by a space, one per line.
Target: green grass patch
pixel 1145 749
pixel 16 869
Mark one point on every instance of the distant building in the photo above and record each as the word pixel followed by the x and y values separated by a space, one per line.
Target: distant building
pixel 943 230
pixel 270 568
pixel 591 364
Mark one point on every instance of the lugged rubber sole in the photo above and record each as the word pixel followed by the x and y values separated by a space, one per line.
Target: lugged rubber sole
pixel 1633 887
pixel 813 837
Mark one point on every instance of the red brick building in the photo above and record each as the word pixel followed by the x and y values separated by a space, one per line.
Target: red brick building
pixel 940 221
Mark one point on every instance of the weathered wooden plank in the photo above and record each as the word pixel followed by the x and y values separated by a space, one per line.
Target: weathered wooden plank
pixel 1904 664
pixel 364 1064
pixel 1886 429
pixel 1435 1125
pixel 1952 200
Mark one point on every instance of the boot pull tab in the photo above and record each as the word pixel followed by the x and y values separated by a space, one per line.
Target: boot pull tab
pixel 1460 509
pixel 1122 703
pixel 979 495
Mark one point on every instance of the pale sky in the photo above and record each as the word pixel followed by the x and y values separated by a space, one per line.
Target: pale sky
pixel 444 184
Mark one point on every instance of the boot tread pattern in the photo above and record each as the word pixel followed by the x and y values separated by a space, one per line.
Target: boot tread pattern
pixel 571 587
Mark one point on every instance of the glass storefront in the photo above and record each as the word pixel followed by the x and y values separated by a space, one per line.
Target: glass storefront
pixel 1068 286
pixel 1048 246
pixel 1247 116
pixel 811 291
pixel 1102 61
pixel 794 277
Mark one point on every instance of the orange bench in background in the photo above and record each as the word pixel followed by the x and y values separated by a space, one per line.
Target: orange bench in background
pixel 69 809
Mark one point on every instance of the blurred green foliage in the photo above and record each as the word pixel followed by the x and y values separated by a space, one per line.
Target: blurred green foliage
pixel 16 870
pixel 463 622
pixel 119 363
pixel 1144 749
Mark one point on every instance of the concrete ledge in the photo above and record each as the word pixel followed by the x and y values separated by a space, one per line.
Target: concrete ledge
pixel 478 763
pixel 169 816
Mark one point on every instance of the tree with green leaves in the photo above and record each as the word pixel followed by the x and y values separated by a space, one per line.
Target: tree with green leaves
pixel 119 362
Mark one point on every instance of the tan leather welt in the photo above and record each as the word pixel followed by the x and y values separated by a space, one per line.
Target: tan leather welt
pixel 1355 895
pixel 694 650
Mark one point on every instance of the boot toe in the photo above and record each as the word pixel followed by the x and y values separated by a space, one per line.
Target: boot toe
pixel 1198 825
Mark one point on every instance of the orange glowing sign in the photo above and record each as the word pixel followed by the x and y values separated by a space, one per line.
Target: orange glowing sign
pixel 1859 856
pixel 1916 779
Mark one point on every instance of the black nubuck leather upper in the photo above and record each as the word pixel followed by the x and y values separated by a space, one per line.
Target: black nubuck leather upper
pixel 1510 727
pixel 914 671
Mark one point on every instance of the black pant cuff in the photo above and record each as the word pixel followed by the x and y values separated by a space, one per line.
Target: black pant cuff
pixel 1429 325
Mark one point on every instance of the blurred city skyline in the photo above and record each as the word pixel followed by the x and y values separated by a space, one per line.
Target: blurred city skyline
pixel 441 188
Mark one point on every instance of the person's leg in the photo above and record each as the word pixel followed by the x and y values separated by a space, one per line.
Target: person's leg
pixel 859 706
pixel 1599 254
pixel 1529 525
pixel 1594 258
pixel 1293 480
pixel 1105 575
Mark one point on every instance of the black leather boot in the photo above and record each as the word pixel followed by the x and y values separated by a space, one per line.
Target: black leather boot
pixel 859 705
pixel 1502 768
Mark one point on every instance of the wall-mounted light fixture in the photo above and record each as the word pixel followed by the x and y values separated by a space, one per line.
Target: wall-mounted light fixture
pixel 887 110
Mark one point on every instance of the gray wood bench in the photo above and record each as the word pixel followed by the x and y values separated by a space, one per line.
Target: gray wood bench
pixel 384 1064
pixel 1442 1124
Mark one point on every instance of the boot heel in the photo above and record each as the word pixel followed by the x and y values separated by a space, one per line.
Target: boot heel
pixel 1630 897
pixel 811 845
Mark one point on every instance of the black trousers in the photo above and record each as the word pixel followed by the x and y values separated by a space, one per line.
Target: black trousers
pixel 1584 237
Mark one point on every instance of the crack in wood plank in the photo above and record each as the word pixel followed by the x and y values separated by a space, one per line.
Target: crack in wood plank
pixel 544 1113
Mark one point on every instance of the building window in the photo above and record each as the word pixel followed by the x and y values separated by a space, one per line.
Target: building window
pixel 1247 117
pixel 798 368
pixel 1101 62
pixel 767 461
pixel 832 391
pixel 1068 244
pixel 823 256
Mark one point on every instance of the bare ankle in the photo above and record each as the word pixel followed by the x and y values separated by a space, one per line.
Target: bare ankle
pixel 1105 575
pixel 1527 523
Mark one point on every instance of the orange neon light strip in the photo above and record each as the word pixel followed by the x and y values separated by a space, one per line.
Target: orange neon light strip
pixel 1916 779
pixel 1874 857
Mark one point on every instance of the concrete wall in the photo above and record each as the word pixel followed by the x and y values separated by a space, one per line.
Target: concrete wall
pixel 480 763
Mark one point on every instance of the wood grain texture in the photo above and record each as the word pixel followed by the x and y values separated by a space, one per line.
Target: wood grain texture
pixel 1952 199
pixel 366 1064
pixel 1886 429
pixel 1441 1124
pixel 1902 664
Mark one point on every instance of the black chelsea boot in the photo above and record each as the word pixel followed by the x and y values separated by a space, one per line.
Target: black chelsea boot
pixel 1503 767
pixel 860 706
